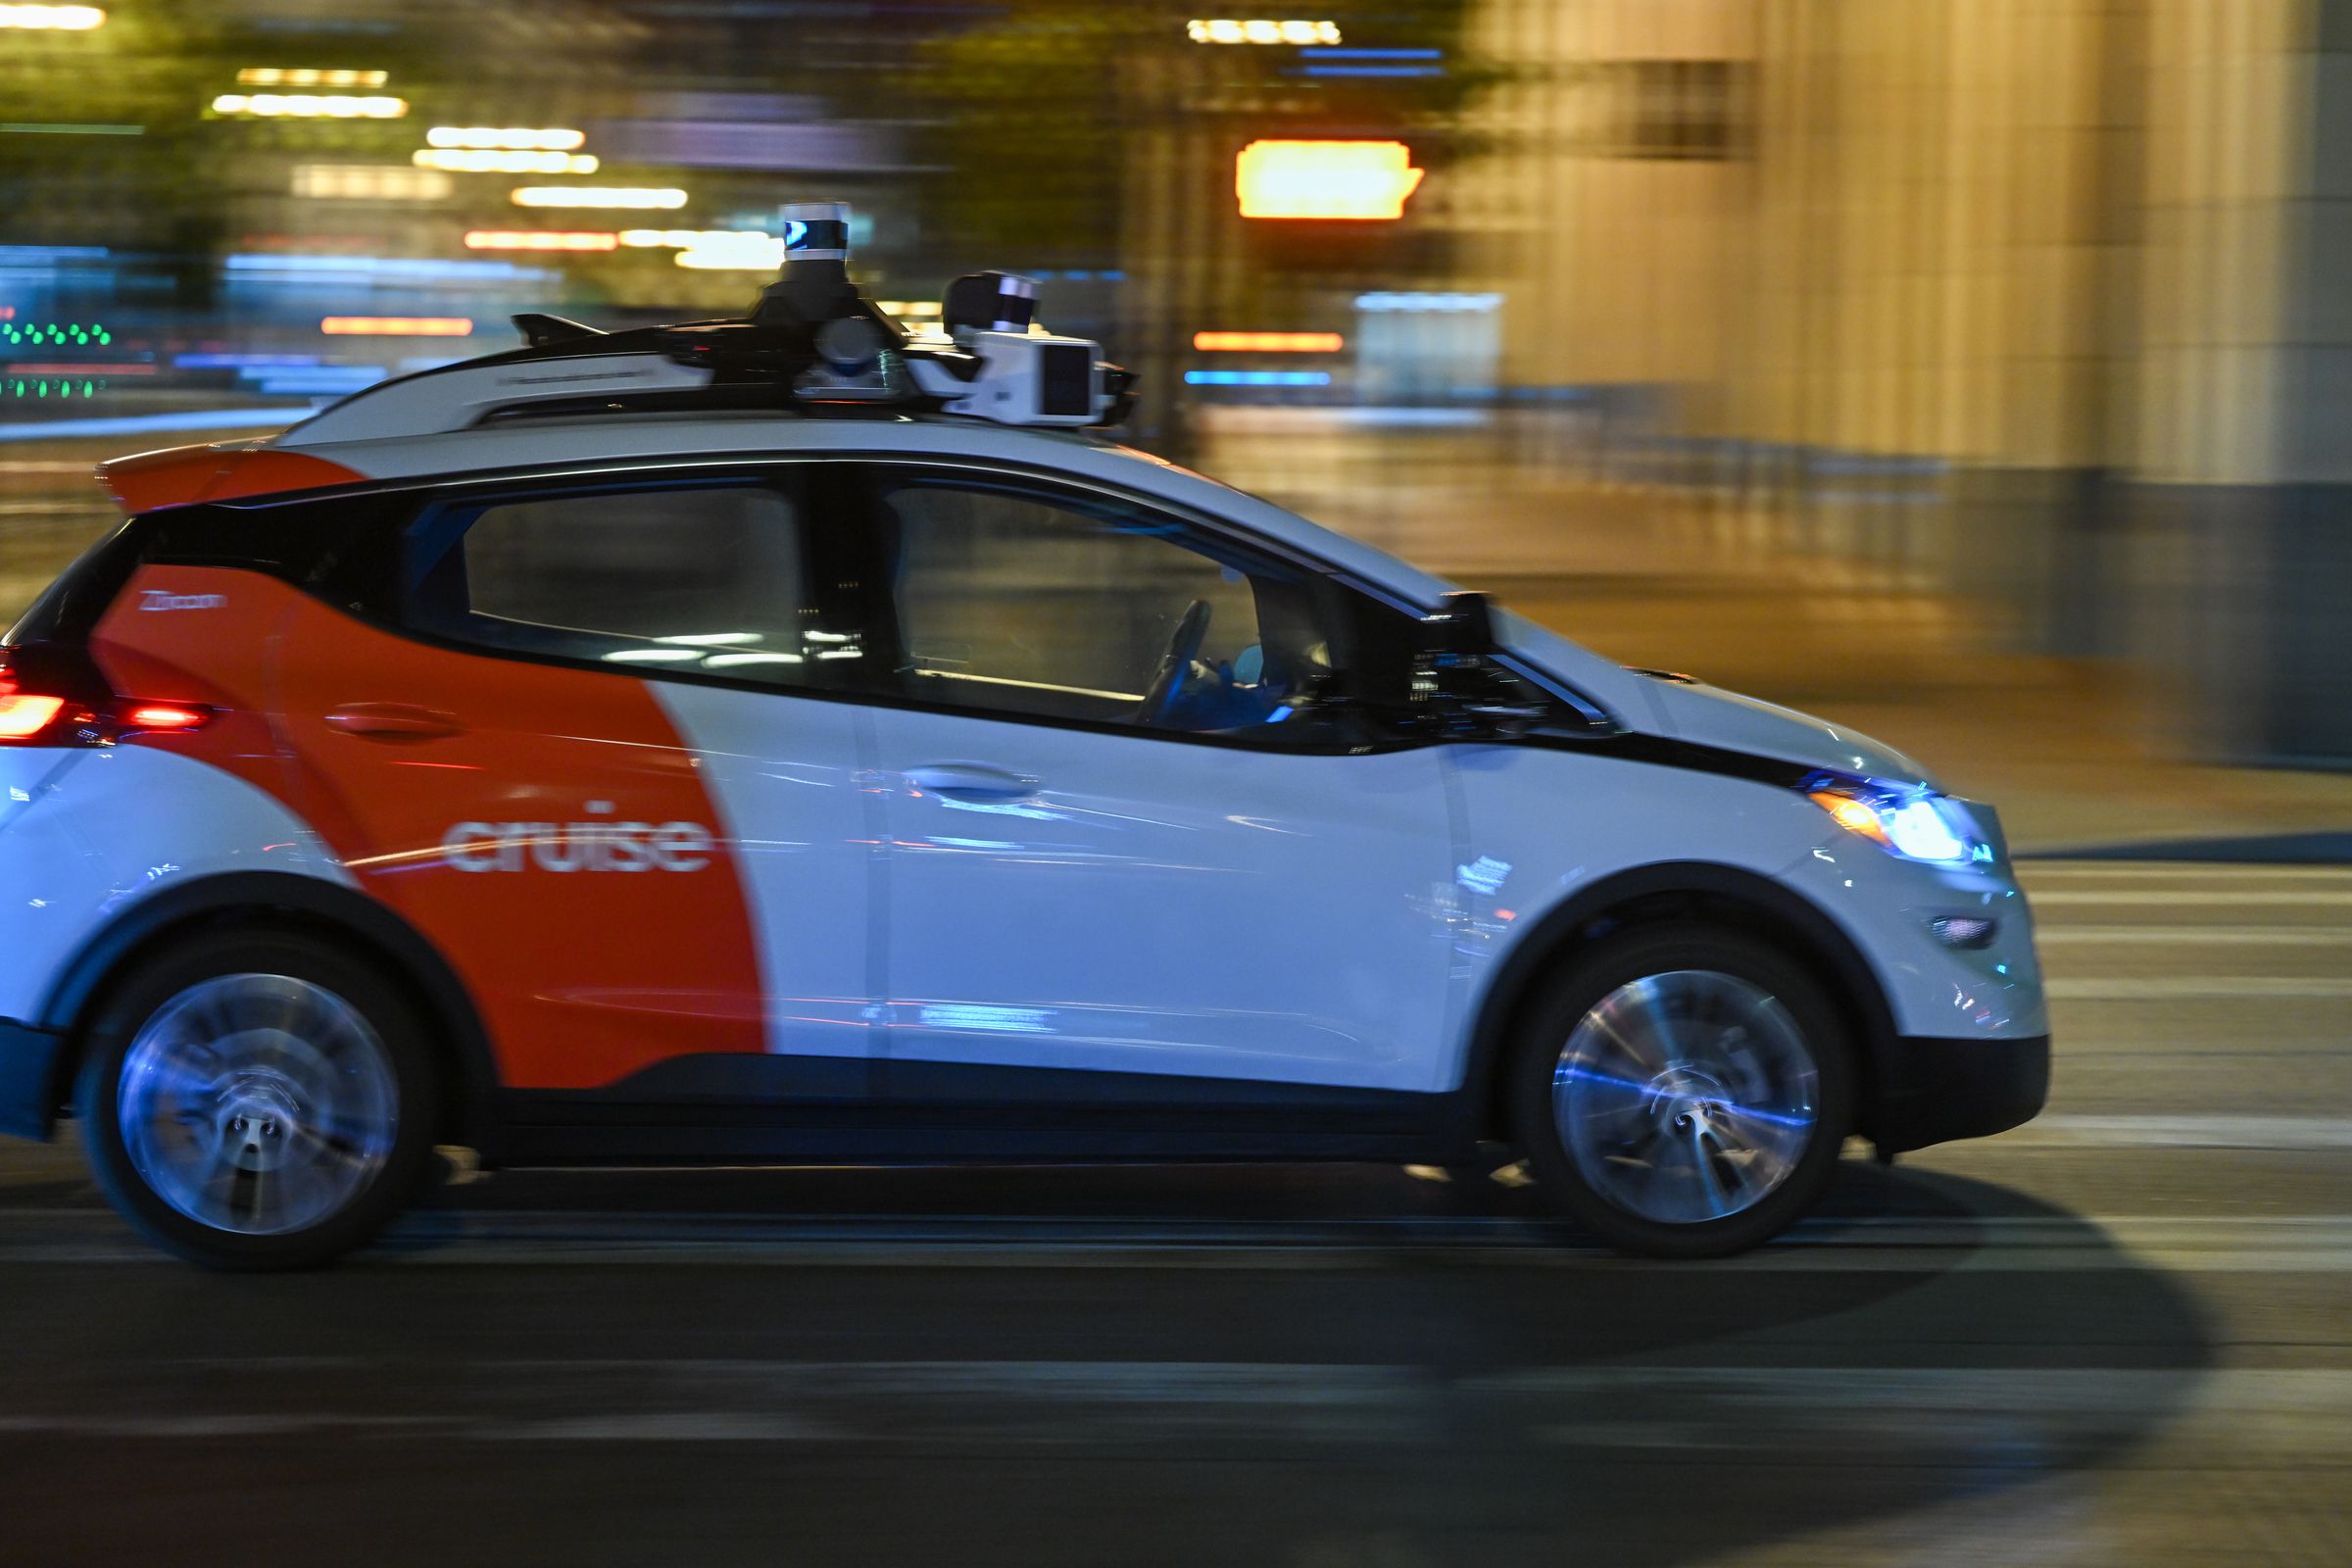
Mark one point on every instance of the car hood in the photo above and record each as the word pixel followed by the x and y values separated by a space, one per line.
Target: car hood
pixel 1686 709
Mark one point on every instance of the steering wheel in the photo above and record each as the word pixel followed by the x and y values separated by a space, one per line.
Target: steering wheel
pixel 1184 646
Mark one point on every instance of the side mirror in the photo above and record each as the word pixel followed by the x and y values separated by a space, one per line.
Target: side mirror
pixel 1463 628
pixel 1462 691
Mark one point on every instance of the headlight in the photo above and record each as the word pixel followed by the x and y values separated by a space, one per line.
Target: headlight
pixel 1917 824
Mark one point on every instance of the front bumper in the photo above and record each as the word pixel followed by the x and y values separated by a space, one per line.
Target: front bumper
pixel 1932 1091
pixel 29 1087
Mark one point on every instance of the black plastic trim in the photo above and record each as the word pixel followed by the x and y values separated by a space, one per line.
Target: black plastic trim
pixel 30 1091
pixel 717 1108
pixel 1937 1090
pixel 317 904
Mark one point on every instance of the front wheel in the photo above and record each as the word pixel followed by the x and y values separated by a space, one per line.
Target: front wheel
pixel 1683 1090
pixel 256 1100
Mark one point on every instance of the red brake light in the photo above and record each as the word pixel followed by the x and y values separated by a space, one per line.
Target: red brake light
pixel 52 695
pixel 22 715
pixel 152 716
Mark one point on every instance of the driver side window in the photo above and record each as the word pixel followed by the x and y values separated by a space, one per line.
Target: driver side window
pixel 1015 600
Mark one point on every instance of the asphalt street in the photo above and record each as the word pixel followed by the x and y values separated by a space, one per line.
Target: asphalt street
pixel 2119 1335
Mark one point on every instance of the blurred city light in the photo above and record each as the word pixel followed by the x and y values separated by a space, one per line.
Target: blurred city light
pixel 1268 342
pixel 306 76
pixel 503 239
pixel 474 161
pixel 12 332
pixel 734 253
pixel 1262 31
pixel 396 326
pixel 59 18
pixel 672 238
pixel 310 106
pixel 1438 300
pixel 630 196
pixel 506 138
pixel 1258 379
pixel 382 182
pixel 1354 180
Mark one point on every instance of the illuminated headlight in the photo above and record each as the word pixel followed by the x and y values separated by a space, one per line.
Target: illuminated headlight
pixel 1915 824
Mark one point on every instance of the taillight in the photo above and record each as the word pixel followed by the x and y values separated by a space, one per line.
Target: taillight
pixel 51 695
pixel 158 717
pixel 22 717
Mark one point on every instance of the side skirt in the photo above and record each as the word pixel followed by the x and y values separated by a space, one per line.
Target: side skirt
pixel 786 1110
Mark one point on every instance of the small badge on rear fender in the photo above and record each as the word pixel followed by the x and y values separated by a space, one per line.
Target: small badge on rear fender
pixel 164 599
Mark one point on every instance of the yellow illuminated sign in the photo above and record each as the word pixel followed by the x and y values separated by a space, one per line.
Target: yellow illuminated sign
pixel 1365 180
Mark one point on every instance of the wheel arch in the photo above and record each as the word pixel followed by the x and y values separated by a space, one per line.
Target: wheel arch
pixel 314 907
pixel 1701 891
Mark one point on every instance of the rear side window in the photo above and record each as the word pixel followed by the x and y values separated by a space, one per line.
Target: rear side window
pixel 707 578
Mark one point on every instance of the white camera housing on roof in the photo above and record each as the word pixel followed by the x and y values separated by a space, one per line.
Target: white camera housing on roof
pixel 1020 378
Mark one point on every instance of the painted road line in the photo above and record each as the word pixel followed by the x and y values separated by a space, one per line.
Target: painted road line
pixel 2181 870
pixel 1876 1415
pixel 2187 896
pixel 2235 1244
pixel 2246 936
pixel 2193 987
pixel 2199 1131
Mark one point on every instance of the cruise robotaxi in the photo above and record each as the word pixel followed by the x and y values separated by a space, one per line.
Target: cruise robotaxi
pixel 790 740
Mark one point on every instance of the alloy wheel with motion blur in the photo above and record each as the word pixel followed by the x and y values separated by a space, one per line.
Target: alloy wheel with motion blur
pixel 257 1099
pixel 1683 1090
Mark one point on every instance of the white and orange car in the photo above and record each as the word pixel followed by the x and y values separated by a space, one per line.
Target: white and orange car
pixel 761 741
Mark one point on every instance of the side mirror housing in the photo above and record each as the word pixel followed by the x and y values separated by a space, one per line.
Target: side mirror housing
pixel 1463 693
pixel 1463 628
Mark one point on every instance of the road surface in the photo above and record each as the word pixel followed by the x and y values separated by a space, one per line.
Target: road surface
pixel 2119 1335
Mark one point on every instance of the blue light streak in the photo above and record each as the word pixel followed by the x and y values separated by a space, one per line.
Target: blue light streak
pixel 1258 379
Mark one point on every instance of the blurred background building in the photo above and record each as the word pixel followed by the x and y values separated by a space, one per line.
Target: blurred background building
pixel 2015 332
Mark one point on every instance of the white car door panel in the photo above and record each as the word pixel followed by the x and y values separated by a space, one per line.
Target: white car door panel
pixel 1073 899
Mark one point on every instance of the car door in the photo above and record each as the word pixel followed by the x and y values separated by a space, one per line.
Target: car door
pixel 577 740
pixel 1126 835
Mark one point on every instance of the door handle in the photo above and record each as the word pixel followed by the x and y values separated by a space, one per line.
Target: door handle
pixel 393 722
pixel 969 781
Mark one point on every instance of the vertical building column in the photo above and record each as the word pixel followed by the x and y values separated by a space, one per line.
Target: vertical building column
pixel 2240 560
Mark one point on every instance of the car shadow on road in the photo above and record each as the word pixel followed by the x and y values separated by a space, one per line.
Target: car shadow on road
pixel 1311 1367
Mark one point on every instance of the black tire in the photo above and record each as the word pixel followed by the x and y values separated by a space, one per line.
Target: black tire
pixel 1647 950
pixel 386 1010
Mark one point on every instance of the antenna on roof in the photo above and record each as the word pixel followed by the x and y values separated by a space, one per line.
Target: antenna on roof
pixel 539 330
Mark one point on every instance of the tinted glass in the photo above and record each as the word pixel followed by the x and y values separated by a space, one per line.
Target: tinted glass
pixel 706 580
pixel 1018 600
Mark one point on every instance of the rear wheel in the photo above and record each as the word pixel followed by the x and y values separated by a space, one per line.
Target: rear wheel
pixel 1683 1090
pixel 257 1099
